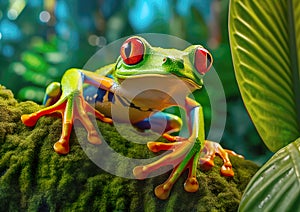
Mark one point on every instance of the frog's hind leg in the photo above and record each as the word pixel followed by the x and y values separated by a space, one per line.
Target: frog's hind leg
pixel 52 103
pixel 161 122
pixel 53 93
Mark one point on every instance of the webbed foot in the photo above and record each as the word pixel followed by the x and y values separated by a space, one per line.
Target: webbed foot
pixel 184 154
pixel 210 150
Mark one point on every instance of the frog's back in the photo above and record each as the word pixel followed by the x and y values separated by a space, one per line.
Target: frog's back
pixel 106 70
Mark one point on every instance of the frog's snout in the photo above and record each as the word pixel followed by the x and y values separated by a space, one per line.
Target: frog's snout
pixel 173 62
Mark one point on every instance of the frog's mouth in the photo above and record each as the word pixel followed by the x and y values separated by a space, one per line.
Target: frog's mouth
pixel 166 80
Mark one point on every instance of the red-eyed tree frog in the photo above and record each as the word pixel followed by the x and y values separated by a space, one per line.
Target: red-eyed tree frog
pixel 138 60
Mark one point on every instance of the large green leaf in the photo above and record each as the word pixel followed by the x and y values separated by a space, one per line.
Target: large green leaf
pixel 276 186
pixel 265 38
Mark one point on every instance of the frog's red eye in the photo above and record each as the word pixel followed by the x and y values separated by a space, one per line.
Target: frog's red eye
pixel 203 60
pixel 132 51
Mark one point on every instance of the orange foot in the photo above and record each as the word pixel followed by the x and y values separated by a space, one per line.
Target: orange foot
pixel 184 155
pixel 210 150
pixel 70 107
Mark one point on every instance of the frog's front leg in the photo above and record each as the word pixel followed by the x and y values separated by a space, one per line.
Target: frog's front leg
pixel 185 154
pixel 210 150
pixel 71 105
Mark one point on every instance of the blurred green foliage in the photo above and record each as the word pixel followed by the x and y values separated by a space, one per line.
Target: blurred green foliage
pixel 39 40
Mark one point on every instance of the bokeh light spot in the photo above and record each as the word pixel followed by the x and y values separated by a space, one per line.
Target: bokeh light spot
pixel 45 16
pixel 12 14
pixel 94 40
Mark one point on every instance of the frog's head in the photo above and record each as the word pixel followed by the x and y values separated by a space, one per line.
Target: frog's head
pixel 138 58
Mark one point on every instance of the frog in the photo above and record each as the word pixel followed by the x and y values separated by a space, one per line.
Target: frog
pixel 138 62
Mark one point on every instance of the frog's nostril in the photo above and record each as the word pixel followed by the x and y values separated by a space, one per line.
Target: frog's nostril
pixel 168 60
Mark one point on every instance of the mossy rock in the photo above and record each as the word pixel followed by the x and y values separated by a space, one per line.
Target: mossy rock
pixel 35 178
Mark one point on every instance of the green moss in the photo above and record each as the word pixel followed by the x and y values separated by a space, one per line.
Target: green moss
pixel 35 178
